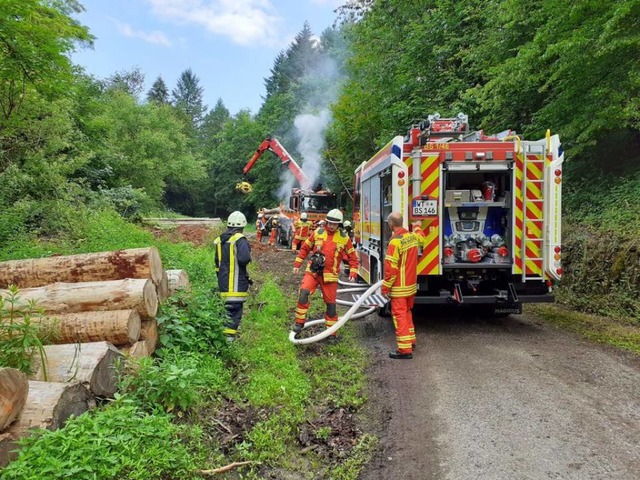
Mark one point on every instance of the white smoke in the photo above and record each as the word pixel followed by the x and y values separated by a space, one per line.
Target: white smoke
pixel 311 123
pixel 311 131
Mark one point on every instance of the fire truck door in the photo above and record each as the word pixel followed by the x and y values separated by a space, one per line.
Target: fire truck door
pixel 386 200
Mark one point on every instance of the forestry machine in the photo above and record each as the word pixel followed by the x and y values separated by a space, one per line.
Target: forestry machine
pixel 315 202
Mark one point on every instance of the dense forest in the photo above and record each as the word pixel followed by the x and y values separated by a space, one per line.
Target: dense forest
pixel 73 143
pixel 83 160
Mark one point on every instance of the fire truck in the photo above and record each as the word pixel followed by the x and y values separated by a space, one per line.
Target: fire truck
pixel 489 206
pixel 314 200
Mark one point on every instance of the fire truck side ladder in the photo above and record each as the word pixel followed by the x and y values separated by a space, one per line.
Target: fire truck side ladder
pixel 536 185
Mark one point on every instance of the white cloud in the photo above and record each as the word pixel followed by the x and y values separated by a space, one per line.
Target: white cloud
pixel 155 37
pixel 244 22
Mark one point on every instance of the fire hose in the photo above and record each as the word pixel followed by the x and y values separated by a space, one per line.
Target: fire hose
pixel 351 314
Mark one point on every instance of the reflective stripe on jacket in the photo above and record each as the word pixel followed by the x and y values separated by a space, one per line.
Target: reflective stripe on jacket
pixel 232 254
pixel 333 246
pixel 303 229
pixel 400 264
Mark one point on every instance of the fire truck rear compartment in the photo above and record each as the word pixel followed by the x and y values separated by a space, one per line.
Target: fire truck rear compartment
pixel 481 284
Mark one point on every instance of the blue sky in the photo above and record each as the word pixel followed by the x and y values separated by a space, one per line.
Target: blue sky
pixel 230 45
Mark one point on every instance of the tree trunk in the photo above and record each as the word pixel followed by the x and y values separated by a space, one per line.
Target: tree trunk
pixel 86 267
pixel 137 350
pixel 49 405
pixel 114 326
pixel 178 280
pixel 92 363
pixel 137 294
pixel 149 334
pixel 163 287
pixel 14 388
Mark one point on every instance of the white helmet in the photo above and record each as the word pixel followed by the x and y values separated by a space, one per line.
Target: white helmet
pixel 346 224
pixel 303 216
pixel 237 220
pixel 334 216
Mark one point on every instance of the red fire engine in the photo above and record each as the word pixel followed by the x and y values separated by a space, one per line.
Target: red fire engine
pixel 488 204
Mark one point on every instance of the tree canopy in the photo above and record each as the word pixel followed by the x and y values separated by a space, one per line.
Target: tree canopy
pixel 509 64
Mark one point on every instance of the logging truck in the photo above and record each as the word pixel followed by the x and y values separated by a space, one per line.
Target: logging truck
pixel 489 206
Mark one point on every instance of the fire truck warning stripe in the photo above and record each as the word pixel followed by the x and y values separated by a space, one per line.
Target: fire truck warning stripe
pixel 534 167
pixel 430 185
pixel 428 264
pixel 519 214
pixel 534 229
pixel 430 170
pixel 533 211
pixel 533 249
pixel 534 267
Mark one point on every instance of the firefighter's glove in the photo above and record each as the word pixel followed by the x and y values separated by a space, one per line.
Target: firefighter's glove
pixel 353 277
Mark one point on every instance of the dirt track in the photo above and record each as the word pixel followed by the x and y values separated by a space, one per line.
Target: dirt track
pixel 501 399
pixel 493 399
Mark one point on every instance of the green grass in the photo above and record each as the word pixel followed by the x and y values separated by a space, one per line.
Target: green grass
pixel 618 332
pixel 283 384
pixel 115 442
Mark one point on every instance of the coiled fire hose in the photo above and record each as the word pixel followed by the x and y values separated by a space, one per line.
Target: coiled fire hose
pixel 343 319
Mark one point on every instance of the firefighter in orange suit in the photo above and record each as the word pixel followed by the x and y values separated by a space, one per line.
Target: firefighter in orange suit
pixel 325 249
pixel 274 231
pixel 303 230
pixel 400 282
pixel 261 226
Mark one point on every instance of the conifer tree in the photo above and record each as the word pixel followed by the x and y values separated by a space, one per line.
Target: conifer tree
pixel 158 93
pixel 187 98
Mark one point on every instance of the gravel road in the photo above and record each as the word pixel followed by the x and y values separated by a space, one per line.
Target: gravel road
pixel 508 398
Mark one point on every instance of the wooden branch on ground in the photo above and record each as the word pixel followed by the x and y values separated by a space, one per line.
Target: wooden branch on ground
pixel 226 468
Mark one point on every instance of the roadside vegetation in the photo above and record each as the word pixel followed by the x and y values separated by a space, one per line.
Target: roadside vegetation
pixel 200 403
pixel 83 159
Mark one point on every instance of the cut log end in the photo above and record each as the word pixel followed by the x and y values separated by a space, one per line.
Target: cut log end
pixel 14 388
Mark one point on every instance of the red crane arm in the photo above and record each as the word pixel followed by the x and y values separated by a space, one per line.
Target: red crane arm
pixel 273 145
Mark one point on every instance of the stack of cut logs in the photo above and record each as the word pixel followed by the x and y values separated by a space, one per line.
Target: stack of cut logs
pixel 102 308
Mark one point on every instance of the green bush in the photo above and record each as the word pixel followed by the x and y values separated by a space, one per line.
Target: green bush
pixel 127 201
pixel 192 322
pixel 20 338
pixel 119 441
pixel 176 382
pixel 12 223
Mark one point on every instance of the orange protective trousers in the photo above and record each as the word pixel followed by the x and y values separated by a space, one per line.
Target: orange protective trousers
pixel 403 322
pixel 310 282
pixel 272 237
